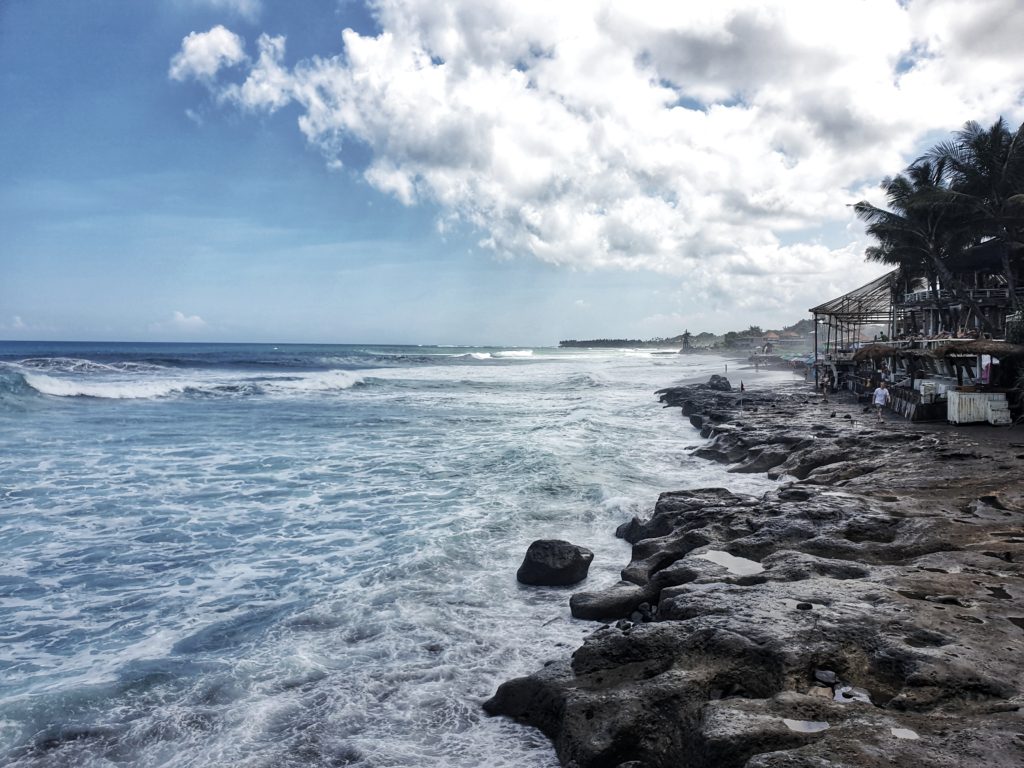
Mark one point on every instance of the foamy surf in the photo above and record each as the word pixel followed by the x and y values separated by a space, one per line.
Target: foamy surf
pixel 306 556
pixel 108 388
pixel 81 366
pixel 514 353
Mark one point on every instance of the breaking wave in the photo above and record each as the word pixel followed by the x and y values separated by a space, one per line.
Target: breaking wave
pixel 215 561
pixel 107 388
pixel 77 365
pixel 514 353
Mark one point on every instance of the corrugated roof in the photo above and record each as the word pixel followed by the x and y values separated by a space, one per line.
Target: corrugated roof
pixel 869 303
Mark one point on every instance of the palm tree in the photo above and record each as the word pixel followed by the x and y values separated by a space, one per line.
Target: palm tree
pixel 919 234
pixel 984 172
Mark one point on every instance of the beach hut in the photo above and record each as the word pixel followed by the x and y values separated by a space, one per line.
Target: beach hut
pixel 984 375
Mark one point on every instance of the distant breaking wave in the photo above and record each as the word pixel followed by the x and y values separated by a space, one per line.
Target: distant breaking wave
pixel 120 390
pixel 507 354
pixel 76 365
pixel 387 359
pixel 156 372
pixel 515 353
pixel 153 388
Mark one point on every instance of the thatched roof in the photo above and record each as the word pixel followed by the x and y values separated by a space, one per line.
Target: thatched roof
pixel 980 347
pixel 910 354
pixel 873 352
pixel 882 351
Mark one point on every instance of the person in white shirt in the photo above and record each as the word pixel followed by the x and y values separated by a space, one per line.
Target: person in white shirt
pixel 881 399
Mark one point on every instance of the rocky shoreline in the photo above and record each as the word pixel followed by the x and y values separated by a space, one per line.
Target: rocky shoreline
pixel 867 612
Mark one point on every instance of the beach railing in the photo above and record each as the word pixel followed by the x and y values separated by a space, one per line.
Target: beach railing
pixel 981 295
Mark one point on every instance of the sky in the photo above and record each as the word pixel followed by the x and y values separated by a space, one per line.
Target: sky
pixel 509 172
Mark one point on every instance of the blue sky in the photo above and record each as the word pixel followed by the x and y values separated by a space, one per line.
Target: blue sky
pixel 506 173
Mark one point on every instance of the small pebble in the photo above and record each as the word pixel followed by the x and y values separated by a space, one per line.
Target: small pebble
pixel 804 606
pixel 826 676
pixel 904 733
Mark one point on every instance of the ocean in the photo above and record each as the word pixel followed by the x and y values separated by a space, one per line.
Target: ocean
pixel 305 555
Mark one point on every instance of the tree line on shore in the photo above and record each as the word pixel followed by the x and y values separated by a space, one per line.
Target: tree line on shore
pixel 702 340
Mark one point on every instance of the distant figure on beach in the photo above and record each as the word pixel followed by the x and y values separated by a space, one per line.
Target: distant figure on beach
pixel 881 398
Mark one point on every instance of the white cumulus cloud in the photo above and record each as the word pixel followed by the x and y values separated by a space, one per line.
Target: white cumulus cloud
pixel 180 323
pixel 203 54
pixel 719 142
pixel 185 322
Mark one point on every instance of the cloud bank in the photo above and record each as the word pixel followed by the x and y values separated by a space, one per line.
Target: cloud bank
pixel 722 142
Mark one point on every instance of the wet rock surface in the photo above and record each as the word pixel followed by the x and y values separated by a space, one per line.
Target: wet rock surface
pixel 867 612
pixel 554 563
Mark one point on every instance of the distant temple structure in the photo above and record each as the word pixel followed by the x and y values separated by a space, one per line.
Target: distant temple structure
pixel 943 351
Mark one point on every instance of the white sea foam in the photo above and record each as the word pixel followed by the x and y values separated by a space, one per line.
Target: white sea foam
pixel 115 390
pixel 316 582
pixel 322 381
pixel 137 388
pixel 78 365
pixel 514 353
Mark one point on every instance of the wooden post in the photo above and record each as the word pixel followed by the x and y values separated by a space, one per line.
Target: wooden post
pixel 815 351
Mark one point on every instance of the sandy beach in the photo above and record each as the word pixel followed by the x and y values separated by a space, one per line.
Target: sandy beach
pixel 867 612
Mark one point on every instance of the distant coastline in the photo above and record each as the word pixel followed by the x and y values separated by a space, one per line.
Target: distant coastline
pixel 618 343
pixel 792 338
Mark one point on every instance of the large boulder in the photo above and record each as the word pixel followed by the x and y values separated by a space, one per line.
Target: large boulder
pixel 554 563
pixel 719 383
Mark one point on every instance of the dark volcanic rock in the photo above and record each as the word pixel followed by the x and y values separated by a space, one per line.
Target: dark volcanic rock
pixel 609 604
pixel 719 383
pixel 554 563
pixel 866 613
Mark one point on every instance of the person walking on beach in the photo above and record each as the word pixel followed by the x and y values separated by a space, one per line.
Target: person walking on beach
pixel 881 398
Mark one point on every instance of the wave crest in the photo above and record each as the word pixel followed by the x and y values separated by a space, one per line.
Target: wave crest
pixel 515 353
pixel 110 390
pixel 77 365
pixel 149 389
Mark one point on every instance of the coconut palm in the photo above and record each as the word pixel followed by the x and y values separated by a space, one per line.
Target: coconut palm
pixel 919 233
pixel 984 175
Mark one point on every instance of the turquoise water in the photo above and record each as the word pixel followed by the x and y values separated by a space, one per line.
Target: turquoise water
pixel 258 555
